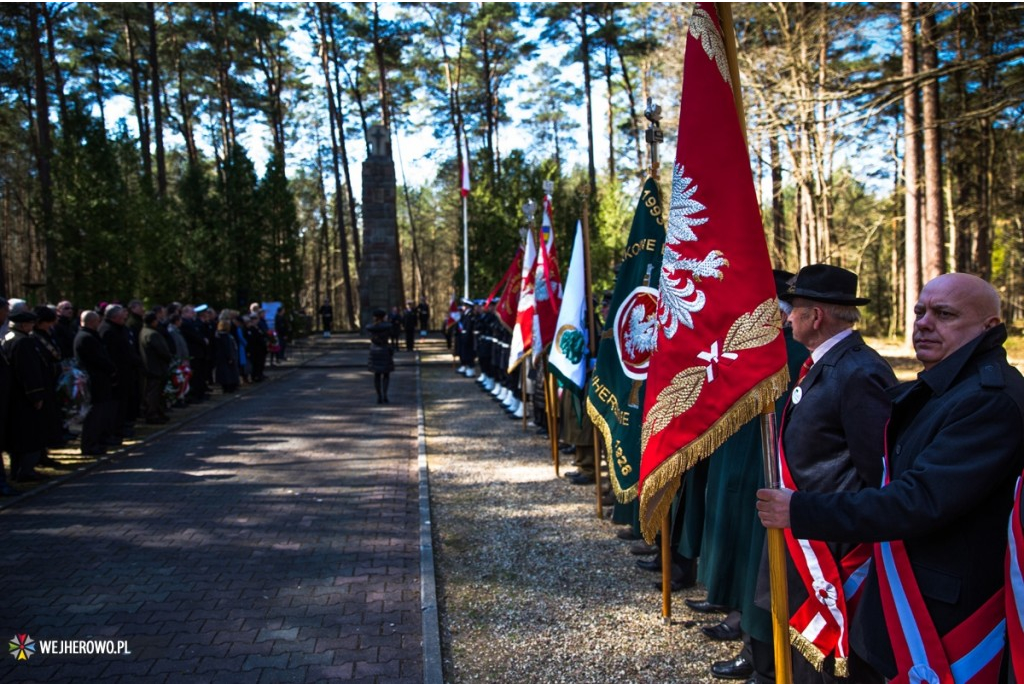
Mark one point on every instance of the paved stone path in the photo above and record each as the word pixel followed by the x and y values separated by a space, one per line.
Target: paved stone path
pixel 274 539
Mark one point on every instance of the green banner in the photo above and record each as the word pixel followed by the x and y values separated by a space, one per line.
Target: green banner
pixel 616 391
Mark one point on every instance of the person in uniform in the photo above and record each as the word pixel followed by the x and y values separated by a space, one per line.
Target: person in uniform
pixel 327 317
pixel 423 314
pixel 409 324
pixel 953 449
pixel 382 360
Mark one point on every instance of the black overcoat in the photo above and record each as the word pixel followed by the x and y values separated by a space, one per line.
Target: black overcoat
pixel 956 446
pixel 26 425
pixel 92 357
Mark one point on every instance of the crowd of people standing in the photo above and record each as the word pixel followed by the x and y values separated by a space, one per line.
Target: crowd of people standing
pixel 114 365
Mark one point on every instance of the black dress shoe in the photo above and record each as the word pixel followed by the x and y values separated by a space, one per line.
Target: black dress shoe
pixel 627 534
pixel 581 478
pixel 675 585
pixel 706 607
pixel 722 632
pixel 733 669
pixel 642 549
pixel 571 449
pixel 653 565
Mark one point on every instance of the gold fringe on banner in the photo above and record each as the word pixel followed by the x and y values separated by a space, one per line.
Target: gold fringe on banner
pixel 662 483
pixel 814 655
pixel 622 496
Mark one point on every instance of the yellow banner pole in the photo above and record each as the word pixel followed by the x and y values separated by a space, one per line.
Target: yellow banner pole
pixel 666 570
pixel 776 542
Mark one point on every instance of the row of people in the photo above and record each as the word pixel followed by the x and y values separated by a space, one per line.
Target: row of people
pixel 923 526
pixel 122 363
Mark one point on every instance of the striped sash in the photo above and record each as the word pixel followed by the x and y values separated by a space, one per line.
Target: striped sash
pixel 1015 588
pixel 818 629
pixel 970 653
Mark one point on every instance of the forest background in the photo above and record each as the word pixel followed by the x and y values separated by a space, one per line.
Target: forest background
pixel 884 138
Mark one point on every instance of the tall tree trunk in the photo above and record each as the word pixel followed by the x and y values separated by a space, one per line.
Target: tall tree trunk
pixel 137 98
pixel 58 75
pixel 912 219
pixel 611 115
pixel 382 72
pixel 184 106
pixel 44 153
pixel 221 51
pixel 343 148
pixel 982 256
pixel 158 109
pixel 778 206
pixel 487 78
pixel 585 49
pixel 326 17
pixel 933 253
pixel 634 116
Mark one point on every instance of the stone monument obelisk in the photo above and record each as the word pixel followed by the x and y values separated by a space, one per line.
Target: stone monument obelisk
pixel 380 273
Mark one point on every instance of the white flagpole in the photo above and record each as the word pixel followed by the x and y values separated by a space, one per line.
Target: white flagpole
pixel 465 248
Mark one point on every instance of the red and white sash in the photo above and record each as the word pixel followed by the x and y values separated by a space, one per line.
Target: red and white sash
pixel 970 653
pixel 818 629
pixel 1015 589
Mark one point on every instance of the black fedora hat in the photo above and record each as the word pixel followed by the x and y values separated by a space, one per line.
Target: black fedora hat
pixel 825 283
pixel 782 280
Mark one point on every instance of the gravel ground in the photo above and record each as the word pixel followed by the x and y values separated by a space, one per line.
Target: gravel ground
pixel 532 586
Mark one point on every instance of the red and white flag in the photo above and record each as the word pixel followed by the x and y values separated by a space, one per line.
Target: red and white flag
pixel 547 285
pixel 508 300
pixel 465 167
pixel 522 334
pixel 720 354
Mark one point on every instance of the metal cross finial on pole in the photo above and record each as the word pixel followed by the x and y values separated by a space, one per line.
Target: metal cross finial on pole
pixel 654 135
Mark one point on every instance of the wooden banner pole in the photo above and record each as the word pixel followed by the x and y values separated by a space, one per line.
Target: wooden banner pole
pixel 666 571
pixel 551 398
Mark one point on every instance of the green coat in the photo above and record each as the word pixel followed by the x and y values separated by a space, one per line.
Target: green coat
pixel 733 535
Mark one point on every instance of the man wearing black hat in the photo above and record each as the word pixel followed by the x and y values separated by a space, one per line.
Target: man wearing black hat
pixel 831 432
pixel 954 447
pixel 26 427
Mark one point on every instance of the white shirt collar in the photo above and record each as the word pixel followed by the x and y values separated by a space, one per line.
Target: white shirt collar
pixel 822 349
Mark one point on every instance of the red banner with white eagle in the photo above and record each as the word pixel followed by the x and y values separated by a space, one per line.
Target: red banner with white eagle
pixel 720 354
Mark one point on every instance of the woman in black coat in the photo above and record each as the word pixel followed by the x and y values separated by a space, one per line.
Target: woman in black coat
pixel 381 361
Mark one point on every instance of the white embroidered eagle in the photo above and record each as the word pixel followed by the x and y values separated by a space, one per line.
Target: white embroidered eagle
pixel 641 334
pixel 679 298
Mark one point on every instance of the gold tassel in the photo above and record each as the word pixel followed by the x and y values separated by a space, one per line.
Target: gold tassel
pixel 807 649
pixel 661 484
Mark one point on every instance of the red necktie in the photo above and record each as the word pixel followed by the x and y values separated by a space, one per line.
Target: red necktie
pixel 808 363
